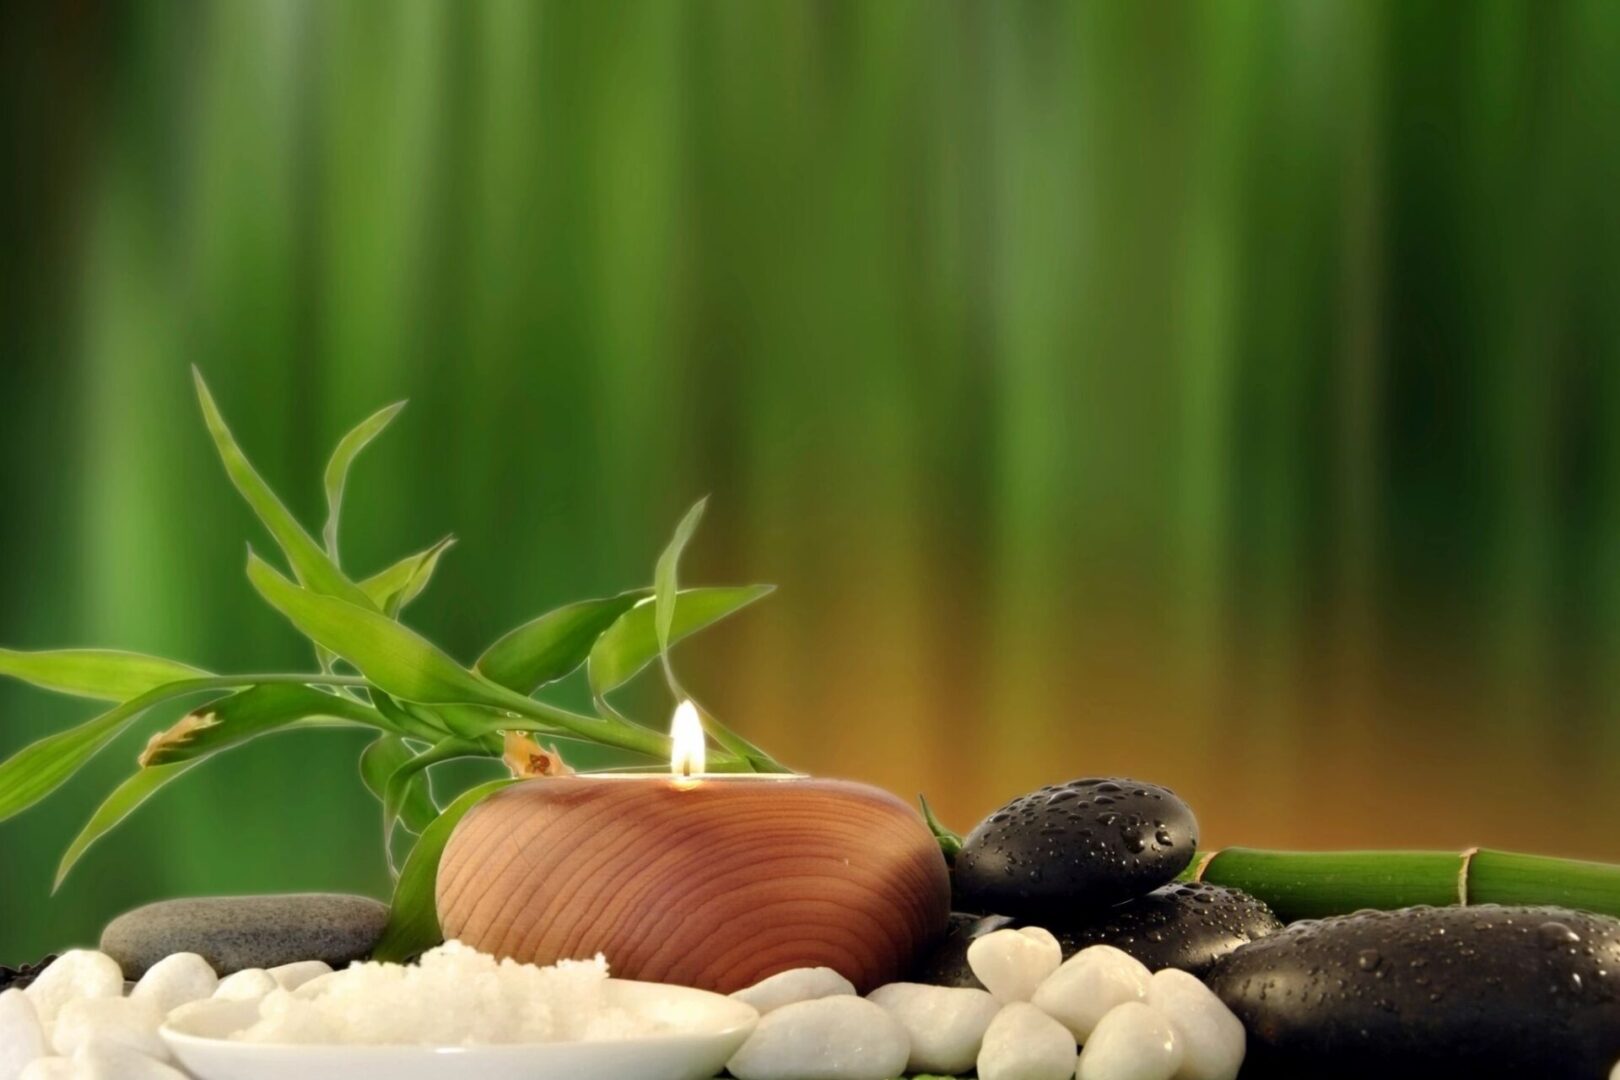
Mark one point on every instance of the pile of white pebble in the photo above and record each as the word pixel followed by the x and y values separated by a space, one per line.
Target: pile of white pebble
pixel 75 1021
pixel 1038 1011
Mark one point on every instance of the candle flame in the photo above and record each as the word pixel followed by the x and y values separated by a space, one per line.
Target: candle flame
pixel 688 755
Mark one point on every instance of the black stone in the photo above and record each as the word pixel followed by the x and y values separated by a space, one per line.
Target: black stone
pixel 1085 844
pixel 20 978
pixel 234 933
pixel 1187 925
pixel 1487 992
pixel 946 964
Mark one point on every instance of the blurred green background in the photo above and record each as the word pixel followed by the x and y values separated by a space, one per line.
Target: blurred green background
pixel 1220 393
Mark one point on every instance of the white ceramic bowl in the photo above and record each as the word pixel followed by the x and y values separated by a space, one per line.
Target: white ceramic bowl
pixel 718 1027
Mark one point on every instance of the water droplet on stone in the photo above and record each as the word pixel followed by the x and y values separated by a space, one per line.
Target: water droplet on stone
pixel 1556 935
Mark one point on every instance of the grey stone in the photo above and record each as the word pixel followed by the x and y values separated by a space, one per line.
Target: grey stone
pixel 234 933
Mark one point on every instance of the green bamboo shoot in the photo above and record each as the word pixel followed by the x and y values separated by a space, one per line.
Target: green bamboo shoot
pixel 1312 884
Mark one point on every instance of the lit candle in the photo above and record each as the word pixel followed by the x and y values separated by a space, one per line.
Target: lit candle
pixel 713 881
pixel 688 754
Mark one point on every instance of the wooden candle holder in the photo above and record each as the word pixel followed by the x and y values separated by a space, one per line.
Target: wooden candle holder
pixel 714 883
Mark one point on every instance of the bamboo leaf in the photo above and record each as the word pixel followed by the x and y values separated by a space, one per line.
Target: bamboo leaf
pixel 379 761
pixel 401 662
pixel 397 789
pixel 41 767
pixel 418 723
pixel 247 714
pixel 309 563
pixel 337 469
pixel 106 674
pixel 413 920
pixel 119 805
pixel 553 645
pixel 665 587
pixel 950 842
pixel 631 643
pixel 468 721
pixel 394 587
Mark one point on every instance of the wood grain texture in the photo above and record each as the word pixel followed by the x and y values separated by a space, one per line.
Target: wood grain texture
pixel 714 883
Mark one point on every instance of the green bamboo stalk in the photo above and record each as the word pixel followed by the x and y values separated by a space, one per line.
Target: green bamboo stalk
pixel 1313 884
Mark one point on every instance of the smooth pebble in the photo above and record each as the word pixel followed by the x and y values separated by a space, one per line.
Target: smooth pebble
pixel 789 987
pixel 1133 1042
pixel 1186 924
pixel 1482 991
pixel 175 981
pixel 1088 985
pixel 79 973
pixel 22 1038
pixel 1013 963
pixel 1212 1038
pixel 946 1024
pixel 55 1068
pixel 249 985
pixel 832 1038
pixel 1085 844
pixel 1023 1043
pixel 236 933
pixel 292 976
pixel 124 1021
pixel 110 1061
pixel 1614 1073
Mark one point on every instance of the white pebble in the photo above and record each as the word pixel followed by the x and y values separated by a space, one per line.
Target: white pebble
pixel 1212 1038
pixel 946 1023
pixel 800 984
pixel 1012 963
pixel 1614 1073
pixel 832 1038
pixel 1089 984
pixel 1024 1043
pixel 292 976
pixel 110 1061
pixel 22 1037
pixel 55 1068
pixel 175 981
pixel 1042 935
pixel 249 985
pixel 124 1021
pixel 79 973
pixel 1133 1042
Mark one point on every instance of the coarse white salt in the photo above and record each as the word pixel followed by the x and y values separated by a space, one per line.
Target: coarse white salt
pixel 455 996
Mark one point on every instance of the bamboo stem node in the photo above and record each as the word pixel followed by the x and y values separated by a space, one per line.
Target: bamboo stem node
pixel 1467 855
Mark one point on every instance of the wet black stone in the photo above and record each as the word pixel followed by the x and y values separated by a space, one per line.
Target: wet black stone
pixel 20 978
pixel 1482 992
pixel 1085 844
pixel 1187 925
pixel 946 964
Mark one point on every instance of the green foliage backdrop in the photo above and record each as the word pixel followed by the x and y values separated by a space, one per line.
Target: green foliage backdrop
pixel 1223 393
